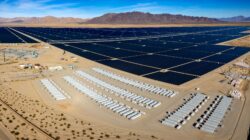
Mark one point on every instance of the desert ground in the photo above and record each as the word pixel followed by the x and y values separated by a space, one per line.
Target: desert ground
pixel 28 111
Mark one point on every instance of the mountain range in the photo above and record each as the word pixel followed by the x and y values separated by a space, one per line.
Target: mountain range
pixel 42 20
pixel 124 18
pixel 148 18
pixel 236 19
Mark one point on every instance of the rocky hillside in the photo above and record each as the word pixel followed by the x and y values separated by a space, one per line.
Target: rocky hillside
pixel 147 18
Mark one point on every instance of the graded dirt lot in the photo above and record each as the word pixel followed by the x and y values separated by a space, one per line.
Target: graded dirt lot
pixel 29 111
pixel 243 41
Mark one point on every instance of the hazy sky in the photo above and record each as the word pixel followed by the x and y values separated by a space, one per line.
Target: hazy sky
pixel 92 8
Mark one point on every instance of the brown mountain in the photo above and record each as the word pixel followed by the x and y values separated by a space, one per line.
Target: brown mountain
pixel 236 19
pixel 113 18
pixel 147 18
pixel 42 20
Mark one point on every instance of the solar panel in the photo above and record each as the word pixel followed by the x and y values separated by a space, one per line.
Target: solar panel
pixel 157 61
pixel 223 58
pixel 171 77
pixel 128 67
pixel 186 54
pixel 197 68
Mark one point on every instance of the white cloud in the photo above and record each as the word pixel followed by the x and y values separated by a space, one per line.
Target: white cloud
pixel 143 7
pixel 41 5
pixel 39 8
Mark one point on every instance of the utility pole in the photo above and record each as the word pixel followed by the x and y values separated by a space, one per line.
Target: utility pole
pixel 3 55
pixel 4 59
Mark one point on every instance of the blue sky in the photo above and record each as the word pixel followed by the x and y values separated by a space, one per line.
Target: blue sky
pixel 92 8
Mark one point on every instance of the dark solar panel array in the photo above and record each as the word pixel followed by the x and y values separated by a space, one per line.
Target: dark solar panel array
pixel 9 36
pixel 172 55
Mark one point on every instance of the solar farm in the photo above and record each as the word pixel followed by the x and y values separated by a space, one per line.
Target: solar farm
pixel 123 83
pixel 171 55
